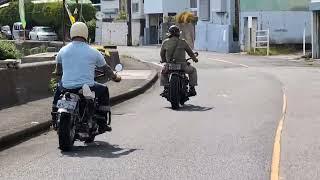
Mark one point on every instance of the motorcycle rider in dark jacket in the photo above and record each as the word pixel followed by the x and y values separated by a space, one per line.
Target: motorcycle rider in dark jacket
pixel 175 48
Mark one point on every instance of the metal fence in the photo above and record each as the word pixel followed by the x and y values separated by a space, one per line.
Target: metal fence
pixel 263 40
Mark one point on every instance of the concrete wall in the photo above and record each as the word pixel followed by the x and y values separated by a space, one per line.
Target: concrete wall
pixel 135 33
pixel 286 27
pixel 175 6
pixel 112 34
pixel 29 82
pixel 213 37
pixel 217 33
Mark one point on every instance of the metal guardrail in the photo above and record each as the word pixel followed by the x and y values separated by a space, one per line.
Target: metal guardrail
pixel 263 40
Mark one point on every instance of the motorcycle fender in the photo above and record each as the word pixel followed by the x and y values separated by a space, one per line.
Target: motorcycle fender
pixel 173 74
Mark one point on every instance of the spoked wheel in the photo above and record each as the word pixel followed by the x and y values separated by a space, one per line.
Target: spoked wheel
pixel 174 92
pixel 66 132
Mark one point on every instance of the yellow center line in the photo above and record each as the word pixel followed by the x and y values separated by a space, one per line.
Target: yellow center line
pixel 229 62
pixel 275 166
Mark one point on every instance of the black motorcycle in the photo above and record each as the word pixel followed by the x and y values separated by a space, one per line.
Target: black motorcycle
pixel 77 118
pixel 178 88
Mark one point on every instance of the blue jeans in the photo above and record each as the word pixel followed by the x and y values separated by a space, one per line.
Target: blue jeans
pixel 101 91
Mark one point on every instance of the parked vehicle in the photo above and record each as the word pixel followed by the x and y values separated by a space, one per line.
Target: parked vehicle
pixel 77 118
pixel 178 90
pixel 18 31
pixel 6 32
pixel 43 33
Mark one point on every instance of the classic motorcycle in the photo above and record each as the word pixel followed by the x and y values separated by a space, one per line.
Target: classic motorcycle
pixel 178 86
pixel 77 118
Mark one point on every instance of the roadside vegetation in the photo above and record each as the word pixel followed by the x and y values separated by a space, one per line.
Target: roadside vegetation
pixel 8 50
pixel 45 14
pixel 275 50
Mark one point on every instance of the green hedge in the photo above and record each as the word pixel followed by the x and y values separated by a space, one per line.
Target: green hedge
pixel 49 14
pixel 92 30
pixel 8 51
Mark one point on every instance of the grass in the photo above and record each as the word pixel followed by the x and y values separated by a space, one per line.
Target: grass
pixel 277 50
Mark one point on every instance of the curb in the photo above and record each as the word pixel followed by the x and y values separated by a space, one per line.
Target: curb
pixel 20 136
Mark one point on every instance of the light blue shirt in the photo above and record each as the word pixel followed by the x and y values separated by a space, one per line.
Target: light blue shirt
pixel 79 61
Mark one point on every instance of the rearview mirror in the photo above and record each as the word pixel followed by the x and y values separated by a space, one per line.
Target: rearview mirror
pixel 118 67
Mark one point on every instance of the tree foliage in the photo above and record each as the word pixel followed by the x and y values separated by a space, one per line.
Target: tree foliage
pixel 44 14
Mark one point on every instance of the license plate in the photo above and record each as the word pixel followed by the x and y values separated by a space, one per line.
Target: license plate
pixel 67 104
pixel 174 67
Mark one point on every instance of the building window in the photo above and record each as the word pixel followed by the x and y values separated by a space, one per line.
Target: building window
pixel 135 7
pixel 193 3
pixel 204 10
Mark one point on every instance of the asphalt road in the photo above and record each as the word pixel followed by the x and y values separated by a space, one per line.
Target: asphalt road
pixel 227 132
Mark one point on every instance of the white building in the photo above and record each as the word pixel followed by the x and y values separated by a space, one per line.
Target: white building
pixel 138 22
pixel 156 13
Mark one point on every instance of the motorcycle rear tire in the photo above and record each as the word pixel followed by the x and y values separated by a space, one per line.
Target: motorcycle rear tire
pixel 66 139
pixel 174 92
pixel 90 139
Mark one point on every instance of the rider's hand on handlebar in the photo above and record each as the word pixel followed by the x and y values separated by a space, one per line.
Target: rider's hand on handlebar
pixel 196 60
pixel 117 78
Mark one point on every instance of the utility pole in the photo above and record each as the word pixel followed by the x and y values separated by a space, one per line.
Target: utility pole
pixel 129 23
pixel 63 22
pixel 77 15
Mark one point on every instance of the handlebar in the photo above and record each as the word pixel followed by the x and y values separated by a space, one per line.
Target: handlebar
pixel 195 53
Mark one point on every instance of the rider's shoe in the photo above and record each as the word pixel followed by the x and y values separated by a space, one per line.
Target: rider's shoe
pixel 192 92
pixel 164 93
pixel 104 128
pixel 108 128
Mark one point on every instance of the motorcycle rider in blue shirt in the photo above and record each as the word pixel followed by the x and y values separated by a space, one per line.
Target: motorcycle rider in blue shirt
pixel 76 64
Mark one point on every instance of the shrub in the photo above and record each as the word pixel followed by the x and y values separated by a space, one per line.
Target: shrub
pixel 8 51
pixel 92 30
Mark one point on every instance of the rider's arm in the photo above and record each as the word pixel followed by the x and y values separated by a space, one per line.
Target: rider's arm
pixel 58 70
pixel 101 64
pixel 163 54
pixel 189 51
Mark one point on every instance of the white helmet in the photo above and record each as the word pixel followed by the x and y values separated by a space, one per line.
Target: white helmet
pixel 79 29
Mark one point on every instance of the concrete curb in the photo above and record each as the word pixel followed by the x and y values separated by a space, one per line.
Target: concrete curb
pixel 20 136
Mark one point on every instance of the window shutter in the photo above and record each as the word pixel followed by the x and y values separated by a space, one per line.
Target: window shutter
pixel 204 10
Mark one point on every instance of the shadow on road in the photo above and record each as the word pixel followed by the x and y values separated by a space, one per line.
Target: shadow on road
pixel 99 149
pixel 193 108
pixel 190 107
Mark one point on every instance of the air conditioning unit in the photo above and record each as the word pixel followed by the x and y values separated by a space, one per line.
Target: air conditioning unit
pixel 219 6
